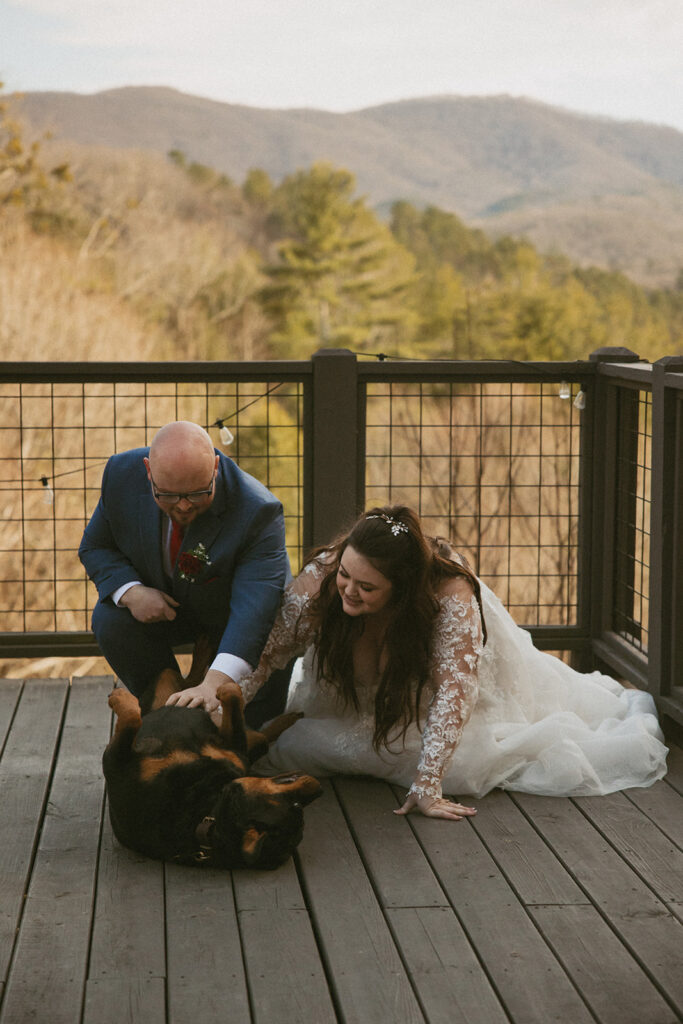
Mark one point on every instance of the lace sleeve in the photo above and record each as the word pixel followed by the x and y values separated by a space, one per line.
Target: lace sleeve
pixel 292 631
pixel 455 660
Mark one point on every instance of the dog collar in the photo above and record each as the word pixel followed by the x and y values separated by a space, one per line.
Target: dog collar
pixel 202 836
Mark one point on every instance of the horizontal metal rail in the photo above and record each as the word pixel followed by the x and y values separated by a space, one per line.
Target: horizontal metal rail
pixel 361 441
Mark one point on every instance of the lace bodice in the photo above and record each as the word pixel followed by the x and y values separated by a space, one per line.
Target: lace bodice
pixel 452 687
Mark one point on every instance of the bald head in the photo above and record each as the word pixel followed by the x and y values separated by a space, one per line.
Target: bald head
pixel 181 441
pixel 182 460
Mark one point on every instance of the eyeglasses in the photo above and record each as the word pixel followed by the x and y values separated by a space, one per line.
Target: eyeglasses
pixel 194 497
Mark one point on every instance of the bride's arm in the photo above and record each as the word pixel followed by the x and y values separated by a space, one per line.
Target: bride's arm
pixel 455 661
pixel 291 632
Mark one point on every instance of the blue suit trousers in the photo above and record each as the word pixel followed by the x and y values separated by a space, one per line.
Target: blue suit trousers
pixel 139 651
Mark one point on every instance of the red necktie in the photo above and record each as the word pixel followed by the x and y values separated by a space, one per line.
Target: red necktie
pixel 177 534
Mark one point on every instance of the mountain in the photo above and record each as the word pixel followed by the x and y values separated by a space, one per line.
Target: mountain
pixel 603 191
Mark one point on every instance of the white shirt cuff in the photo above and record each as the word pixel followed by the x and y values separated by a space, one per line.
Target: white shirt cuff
pixel 231 665
pixel 118 594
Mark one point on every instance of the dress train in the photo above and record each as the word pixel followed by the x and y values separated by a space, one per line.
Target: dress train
pixel 538 727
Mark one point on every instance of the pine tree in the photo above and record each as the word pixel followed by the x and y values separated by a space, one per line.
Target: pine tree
pixel 340 275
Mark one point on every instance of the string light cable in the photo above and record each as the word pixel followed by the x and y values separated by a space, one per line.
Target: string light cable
pixel 224 432
pixel 227 437
pixel 565 389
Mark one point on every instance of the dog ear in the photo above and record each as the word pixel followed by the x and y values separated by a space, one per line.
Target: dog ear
pixel 252 841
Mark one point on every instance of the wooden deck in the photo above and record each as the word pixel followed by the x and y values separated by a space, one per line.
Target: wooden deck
pixel 538 910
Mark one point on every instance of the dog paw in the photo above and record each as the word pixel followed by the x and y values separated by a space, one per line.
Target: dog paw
pixel 122 700
pixel 277 726
pixel 229 691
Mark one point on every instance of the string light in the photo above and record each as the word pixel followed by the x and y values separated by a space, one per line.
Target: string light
pixel 48 493
pixel 224 433
pixel 227 437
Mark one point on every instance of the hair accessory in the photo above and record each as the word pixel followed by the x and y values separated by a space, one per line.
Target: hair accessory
pixel 396 527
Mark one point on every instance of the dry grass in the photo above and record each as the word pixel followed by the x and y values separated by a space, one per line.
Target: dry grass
pixel 50 310
pixel 494 467
pixel 135 262
pixel 152 268
pixel 63 668
pixel 52 668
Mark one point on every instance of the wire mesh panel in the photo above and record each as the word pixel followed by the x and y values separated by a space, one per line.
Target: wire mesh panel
pixel 495 468
pixel 55 439
pixel 632 518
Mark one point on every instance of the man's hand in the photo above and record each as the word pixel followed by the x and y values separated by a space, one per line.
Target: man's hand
pixel 149 605
pixel 203 695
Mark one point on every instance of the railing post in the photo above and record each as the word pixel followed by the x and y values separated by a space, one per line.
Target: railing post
pixel 336 473
pixel 612 417
pixel 666 543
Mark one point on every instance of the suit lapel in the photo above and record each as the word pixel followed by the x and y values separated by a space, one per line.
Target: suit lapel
pixel 206 528
pixel 203 530
pixel 149 526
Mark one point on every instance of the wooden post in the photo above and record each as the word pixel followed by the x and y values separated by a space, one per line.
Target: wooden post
pixel 610 432
pixel 336 468
pixel 665 659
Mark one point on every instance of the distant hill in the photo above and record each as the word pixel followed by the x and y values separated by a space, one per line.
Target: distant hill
pixel 603 191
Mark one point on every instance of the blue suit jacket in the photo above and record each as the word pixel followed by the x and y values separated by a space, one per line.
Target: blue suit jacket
pixel 237 595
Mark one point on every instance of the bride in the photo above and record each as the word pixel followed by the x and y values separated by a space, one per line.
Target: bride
pixel 413 671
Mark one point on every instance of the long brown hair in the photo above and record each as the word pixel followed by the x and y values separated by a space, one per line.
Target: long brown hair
pixel 391 538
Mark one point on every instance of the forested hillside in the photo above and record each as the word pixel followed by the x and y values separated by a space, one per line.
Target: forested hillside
pixel 111 254
pixel 604 192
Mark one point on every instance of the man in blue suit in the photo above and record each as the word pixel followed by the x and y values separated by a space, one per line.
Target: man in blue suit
pixel 183 542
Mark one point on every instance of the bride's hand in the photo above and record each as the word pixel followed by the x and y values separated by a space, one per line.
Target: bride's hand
pixel 435 807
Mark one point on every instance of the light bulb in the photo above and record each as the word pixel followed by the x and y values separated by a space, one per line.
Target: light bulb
pixel 580 400
pixel 565 390
pixel 225 436
pixel 48 493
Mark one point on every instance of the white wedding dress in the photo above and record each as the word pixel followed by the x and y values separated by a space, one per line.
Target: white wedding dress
pixel 502 715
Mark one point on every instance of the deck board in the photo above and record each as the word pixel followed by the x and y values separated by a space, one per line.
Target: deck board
pixel 393 857
pixel 364 967
pixel 651 854
pixel 283 966
pixel 635 912
pixel 10 691
pixel 204 954
pixel 451 983
pixel 531 869
pixel 537 909
pixel 661 804
pixel 52 945
pixel 25 771
pixel 529 981
pixel 616 989
pixel 129 924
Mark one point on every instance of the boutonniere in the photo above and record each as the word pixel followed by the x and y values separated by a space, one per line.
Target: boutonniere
pixel 191 564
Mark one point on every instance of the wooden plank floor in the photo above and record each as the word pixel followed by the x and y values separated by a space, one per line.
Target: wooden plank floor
pixel 537 910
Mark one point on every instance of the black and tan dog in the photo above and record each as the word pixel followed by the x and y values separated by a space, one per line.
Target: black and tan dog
pixel 179 786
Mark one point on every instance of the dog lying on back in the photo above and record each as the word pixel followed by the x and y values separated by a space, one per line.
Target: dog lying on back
pixel 179 787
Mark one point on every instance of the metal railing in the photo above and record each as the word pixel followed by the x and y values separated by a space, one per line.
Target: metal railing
pixel 562 483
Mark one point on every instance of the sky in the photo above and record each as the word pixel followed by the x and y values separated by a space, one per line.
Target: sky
pixel 618 58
